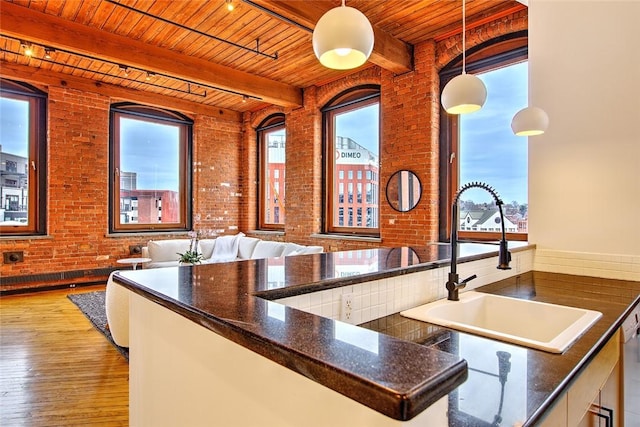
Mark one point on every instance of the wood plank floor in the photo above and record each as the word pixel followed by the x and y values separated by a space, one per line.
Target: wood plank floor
pixel 56 369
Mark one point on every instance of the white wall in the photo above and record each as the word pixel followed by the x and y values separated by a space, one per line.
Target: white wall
pixel 584 173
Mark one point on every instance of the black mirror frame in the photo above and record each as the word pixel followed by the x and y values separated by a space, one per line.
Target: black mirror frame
pixel 395 204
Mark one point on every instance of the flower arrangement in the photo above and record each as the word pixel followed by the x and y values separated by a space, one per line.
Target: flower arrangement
pixel 191 256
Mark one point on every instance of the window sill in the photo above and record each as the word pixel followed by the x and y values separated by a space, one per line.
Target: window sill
pixel 147 234
pixel 347 237
pixel 266 232
pixel 7 237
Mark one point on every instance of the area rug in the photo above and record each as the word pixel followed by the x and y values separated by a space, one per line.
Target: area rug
pixel 92 305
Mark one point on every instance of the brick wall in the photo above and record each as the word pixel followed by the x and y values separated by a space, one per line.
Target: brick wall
pixel 77 248
pixel 410 114
pixel 218 185
pixel 225 168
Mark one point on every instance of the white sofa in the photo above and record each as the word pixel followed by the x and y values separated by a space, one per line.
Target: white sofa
pixel 164 253
pixel 117 308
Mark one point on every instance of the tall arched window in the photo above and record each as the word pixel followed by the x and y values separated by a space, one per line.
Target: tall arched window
pixel 481 146
pixel 150 162
pixel 23 159
pixel 352 145
pixel 272 143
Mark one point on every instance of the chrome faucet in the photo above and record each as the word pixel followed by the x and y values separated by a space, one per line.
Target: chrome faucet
pixel 504 257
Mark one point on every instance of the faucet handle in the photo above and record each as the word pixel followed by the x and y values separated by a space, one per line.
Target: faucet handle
pixel 468 279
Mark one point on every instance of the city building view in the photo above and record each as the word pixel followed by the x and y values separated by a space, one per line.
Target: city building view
pixel 146 206
pixel 14 189
pixel 275 176
pixel 357 169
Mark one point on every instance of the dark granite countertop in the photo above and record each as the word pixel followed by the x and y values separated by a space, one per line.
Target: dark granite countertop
pixel 401 378
pixel 532 378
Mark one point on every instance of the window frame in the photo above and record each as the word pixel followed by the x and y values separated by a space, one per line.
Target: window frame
pixel 501 51
pixel 273 122
pixel 349 100
pixel 37 161
pixel 159 116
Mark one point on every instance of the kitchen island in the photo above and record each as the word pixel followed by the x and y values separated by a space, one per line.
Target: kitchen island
pixel 207 341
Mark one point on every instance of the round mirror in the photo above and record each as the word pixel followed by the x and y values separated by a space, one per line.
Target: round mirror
pixel 403 190
pixel 402 257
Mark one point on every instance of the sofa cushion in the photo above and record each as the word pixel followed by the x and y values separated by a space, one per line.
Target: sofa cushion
pixel 167 250
pixel 161 264
pixel 226 248
pixel 308 250
pixel 246 247
pixel 205 246
pixel 290 248
pixel 296 249
pixel 265 249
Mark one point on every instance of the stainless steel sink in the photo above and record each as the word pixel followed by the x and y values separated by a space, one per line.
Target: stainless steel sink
pixel 533 324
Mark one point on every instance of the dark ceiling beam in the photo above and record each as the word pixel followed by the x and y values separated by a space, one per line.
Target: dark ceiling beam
pixel 47 30
pixel 38 76
pixel 389 52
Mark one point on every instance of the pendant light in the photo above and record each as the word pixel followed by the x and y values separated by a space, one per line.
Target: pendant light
pixel 343 38
pixel 530 121
pixel 464 93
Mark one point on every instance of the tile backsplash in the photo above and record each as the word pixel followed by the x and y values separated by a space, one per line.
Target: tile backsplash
pixel 379 298
pixel 622 267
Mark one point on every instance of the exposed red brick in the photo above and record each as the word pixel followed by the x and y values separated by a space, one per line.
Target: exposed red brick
pixel 225 166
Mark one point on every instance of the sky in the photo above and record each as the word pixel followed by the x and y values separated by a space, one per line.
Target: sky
pixel 13 126
pixel 490 152
pixel 150 150
pixel 357 125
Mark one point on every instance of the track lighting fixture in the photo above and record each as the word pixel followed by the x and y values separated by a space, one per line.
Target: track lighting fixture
pixel 28 49
pixel 229 4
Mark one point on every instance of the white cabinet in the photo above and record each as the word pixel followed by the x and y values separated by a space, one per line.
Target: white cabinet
pixel 599 385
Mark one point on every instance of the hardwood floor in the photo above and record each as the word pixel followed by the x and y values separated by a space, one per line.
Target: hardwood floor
pixel 56 369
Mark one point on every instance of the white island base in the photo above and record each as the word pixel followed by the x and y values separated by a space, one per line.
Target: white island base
pixel 182 374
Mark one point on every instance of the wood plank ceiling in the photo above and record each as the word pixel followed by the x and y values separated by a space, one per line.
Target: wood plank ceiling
pixel 199 53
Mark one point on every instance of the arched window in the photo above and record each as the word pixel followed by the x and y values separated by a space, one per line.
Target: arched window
pixel 481 146
pixel 351 129
pixel 23 159
pixel 272 142
pixel 150 164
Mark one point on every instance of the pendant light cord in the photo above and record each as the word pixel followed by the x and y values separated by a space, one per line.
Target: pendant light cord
pixel 464 37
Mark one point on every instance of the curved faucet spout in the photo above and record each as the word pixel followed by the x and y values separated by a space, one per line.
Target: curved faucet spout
pixel 504 256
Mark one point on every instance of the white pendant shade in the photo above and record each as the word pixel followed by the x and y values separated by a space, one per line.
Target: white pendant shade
pixel 463 94
pixel 530 121
pixel 343 38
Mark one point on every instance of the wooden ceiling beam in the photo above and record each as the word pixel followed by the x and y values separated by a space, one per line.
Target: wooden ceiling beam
pixel 38 76
pixel 48 30
pixel 388 52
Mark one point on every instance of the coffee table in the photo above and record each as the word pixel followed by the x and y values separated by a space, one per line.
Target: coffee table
pixel 133 261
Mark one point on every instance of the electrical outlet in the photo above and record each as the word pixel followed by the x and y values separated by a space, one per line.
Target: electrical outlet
pixel 13 257
pixel 346 308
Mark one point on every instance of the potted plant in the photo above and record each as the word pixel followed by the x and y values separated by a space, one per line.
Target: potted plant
pixel 191 256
